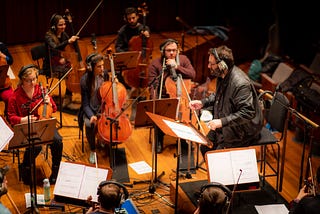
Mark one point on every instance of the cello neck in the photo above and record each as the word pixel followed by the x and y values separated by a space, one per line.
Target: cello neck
pixel 114 83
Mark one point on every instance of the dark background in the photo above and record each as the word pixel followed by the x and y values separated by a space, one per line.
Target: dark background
pixel 26 21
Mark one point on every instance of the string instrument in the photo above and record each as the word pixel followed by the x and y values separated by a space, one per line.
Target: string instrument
pixel 138 78
pixel 73 80
pixel 112 120
pixel 8 82
pixel 44 110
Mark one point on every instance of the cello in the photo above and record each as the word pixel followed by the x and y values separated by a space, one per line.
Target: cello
pixel 138 78
pixel 73 80
pixel 113 125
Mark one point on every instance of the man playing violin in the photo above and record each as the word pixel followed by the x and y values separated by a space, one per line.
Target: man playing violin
pixel 25 97
pixel 90 83
pixel 5 58
pixel 172 64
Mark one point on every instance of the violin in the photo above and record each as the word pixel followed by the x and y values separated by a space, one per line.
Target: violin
pixel 113 125
pixel 139 77
pixel 45 110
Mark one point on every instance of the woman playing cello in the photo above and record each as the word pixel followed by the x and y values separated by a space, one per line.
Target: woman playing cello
pixel 7 91
pixel 56 40
pixel 90 83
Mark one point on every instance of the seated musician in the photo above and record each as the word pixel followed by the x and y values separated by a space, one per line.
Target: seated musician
pixel 56 41
pixel 7 91
pixel 171 63
pixel 90 83
pixel 128 31
pixel 25 97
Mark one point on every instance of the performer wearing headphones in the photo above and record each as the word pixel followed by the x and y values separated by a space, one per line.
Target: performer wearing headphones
pixel 56 40
pixel 90 83
pixel 172 64
pixel 237 116
pixel 214 198
pixel 5 93
pixel 3 188
pixel 27 95
pixel 111 195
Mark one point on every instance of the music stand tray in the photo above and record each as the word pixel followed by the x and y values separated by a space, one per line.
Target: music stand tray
pixel 166 106
pixel 178 130
pixel 41 131
pixel 124 60
pixel 3 74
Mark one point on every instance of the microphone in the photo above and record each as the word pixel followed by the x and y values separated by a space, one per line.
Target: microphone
pixel 173 73
pixel 233 190
pixel 94 41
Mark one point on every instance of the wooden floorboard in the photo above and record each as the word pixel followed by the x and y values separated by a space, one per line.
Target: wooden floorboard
pixel 137 147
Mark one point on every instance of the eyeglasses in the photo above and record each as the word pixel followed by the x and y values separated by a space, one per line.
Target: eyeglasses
pixel 171 50
pixel 30 80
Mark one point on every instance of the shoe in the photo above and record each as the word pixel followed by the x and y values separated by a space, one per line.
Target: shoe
pixel 91 158
pixel 159 147
pixel 66 101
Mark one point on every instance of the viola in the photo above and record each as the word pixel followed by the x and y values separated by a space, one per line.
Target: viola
pixel 111 126
pixel 138 78
pixel 44 110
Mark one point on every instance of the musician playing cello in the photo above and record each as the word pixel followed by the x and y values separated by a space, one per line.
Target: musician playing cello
pixel 5 58
pixel 90 83
pixel 169 61
pixel 26 96
pixel 56 40
pixel 132 28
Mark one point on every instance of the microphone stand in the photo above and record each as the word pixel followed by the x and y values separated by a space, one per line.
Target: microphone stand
pixel 233 191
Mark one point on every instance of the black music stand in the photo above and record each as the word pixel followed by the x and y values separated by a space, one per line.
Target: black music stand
pixel 3 75
pixel 124 60
pixel 180 131
pixel 28 135
pixel 167 107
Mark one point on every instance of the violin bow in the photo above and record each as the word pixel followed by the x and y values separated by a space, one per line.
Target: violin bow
pixel 84 24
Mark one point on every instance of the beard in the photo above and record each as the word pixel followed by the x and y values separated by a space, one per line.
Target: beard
pixel 216 72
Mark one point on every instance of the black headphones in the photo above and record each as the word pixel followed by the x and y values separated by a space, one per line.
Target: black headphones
pixel 54 21
pixel 222 65
pixel 226 190
pixel 24 68
pixel 164 44
pixel 89 61
pixel 123 195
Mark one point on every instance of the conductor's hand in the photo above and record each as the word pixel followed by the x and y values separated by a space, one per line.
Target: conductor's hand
pixel 195 104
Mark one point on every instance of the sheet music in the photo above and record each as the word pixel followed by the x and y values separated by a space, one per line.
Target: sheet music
pixel 185 132
pixel 224 167
pixel 272 208
pixel 6 135
pixel 79 181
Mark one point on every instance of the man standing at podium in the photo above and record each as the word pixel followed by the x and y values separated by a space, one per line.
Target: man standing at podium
pixel 237 116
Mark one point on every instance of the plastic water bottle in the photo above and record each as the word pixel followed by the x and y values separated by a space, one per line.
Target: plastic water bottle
pixel 46 190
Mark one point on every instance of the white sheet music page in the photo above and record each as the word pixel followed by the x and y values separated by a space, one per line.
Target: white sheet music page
pixel 79 181
pixel 6 134
pixel 185 132
pixel 224 167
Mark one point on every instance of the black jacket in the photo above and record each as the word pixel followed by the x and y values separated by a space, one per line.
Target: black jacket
pixel 236 104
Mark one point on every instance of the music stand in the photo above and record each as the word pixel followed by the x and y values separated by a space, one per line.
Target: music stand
pixel 124 60
pixel 30 134
pixel 3 75
pixel 180 131
pixel 41 132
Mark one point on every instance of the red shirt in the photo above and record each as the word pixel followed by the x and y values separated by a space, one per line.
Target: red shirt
pixel 20 104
